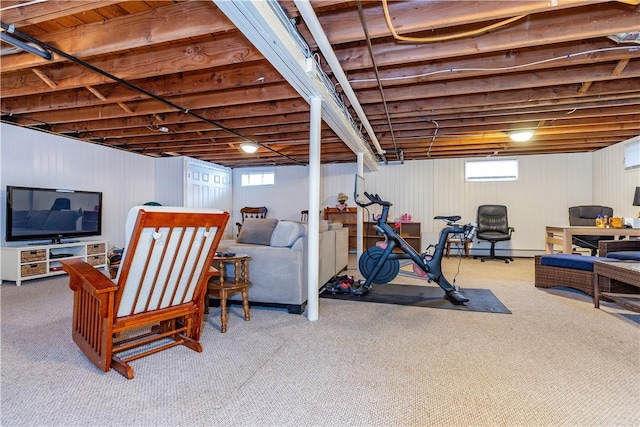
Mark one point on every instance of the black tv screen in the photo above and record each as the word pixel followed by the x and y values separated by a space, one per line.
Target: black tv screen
pixel 48 213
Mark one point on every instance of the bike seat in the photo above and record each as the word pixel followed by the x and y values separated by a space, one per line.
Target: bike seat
pixel 453 218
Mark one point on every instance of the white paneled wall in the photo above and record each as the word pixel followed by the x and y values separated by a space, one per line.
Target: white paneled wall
pixel 37 159
pixel 547 186
pixel 284 200
pixel 611 187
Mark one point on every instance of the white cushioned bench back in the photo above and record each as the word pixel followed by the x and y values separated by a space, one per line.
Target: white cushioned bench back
pixel 167 261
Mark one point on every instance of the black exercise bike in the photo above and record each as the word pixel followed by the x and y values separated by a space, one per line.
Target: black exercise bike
pixel 380 264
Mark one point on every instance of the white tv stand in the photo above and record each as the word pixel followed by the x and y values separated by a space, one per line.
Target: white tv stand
pixel 21 263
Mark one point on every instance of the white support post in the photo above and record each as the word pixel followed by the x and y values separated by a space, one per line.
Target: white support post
pixel 360 225
pixel 313 232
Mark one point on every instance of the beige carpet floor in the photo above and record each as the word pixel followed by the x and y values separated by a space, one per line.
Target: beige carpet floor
pixel 555 361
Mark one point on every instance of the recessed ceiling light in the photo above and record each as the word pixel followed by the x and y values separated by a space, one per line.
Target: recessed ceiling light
pixel 521 135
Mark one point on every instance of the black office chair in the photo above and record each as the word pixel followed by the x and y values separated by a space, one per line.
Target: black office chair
pixel 61 204
pixel 493 226
pixel 586 216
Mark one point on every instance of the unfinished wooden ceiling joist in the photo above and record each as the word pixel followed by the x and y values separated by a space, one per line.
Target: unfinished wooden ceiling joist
pixel 555 68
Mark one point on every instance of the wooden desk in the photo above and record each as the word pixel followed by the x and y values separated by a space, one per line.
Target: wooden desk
pixel 563 235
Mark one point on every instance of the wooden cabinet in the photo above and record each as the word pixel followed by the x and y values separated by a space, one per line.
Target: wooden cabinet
pixel 349 219
pixel 409 231
pixel 36 261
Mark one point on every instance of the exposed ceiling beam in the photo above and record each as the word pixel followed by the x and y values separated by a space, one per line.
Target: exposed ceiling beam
pixel 267 27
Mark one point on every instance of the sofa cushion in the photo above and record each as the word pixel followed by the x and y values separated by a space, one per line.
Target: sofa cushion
pixel 38 218
pixel 257 231
pixel 335 225
pixel 61 220
pixel 286 233
pixel 625 255
pixel 576 262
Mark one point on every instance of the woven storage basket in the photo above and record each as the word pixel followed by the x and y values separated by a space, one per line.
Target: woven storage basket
pixel 95 249
pixel 32 269
pixel 96 260
pixel 28 256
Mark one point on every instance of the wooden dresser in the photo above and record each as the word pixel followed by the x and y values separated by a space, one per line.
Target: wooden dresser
pixel 410 231
pixel 348 219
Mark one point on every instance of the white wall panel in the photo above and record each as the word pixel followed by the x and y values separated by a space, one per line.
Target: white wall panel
pixel 547 186
pixel 284 200
pixel 170 178
pixel 612 185
pixel 38 159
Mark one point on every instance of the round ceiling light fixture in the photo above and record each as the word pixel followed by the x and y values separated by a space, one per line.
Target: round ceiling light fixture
pixel 521 135
pixel 249 147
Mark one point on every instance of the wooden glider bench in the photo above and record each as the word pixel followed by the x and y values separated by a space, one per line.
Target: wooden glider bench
pixel 157 299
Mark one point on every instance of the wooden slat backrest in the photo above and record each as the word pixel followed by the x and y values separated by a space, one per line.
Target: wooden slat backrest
pixel 167 257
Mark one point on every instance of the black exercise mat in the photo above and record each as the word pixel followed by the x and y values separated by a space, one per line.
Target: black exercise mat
pixel 482 300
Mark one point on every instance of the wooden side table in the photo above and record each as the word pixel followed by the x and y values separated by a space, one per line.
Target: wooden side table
pixel 222 287
pixel 458 241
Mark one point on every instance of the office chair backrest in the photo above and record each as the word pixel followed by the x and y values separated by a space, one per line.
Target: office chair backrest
pixel 586 215
pixel 492 218
pixel 60 204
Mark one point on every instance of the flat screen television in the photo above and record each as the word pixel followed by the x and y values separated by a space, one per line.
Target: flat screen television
pixel 48 213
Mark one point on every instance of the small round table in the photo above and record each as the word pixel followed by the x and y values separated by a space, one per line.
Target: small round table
pixel 223 286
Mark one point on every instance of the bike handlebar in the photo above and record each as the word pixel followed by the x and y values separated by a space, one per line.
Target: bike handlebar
pixel 375 199
pixel 469 229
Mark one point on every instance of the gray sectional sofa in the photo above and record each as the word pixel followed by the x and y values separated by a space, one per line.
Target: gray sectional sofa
pixel 278 265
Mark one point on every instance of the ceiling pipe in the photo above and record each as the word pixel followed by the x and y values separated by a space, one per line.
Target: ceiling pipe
pixel 363 21
pixel 310 18
pixel 266 25
pixel 42 53
pixel 144 91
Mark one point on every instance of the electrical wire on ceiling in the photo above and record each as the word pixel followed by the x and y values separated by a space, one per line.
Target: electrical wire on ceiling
pixel 509 68
pixel 387 17
pixel 17 5
pixel 375 68
pixel 134 87
pixel 435 133
pixel 397 36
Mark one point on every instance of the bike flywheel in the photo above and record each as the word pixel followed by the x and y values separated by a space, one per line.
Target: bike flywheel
pixel 368 261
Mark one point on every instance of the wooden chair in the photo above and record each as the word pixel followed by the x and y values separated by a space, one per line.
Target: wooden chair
pixel 304 215
pixel 160 288
pixel 251 212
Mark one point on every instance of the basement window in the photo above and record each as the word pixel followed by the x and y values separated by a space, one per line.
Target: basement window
pixel 491 170
pixel 632 155
pixel 258 178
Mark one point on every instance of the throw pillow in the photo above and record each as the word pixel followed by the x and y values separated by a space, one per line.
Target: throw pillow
pixel 286 233
pixel 257 231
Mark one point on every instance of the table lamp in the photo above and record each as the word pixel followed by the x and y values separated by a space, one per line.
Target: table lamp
pixel 636 199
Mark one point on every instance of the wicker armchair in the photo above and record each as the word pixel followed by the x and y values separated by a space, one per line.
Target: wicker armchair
pixel 608 246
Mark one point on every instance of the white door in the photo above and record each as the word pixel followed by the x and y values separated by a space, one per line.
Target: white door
pixel 209 187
